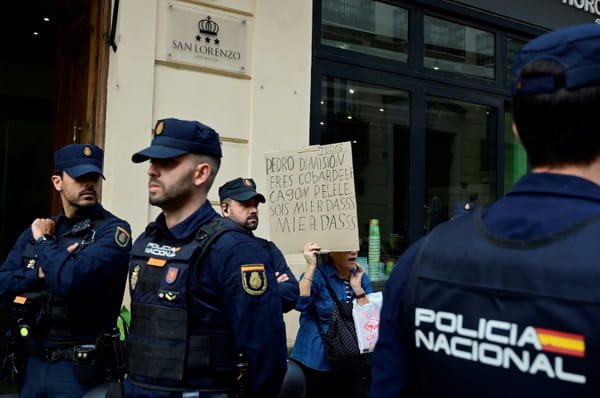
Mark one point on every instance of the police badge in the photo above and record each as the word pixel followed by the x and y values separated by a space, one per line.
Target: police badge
pixel 134 277
pixel 254 279
pixel 159 128
pixel 122 237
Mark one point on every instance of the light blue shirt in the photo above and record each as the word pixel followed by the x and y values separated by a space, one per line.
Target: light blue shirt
pixel 309 349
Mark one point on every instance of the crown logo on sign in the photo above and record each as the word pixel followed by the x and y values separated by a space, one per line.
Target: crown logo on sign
pixel 208 27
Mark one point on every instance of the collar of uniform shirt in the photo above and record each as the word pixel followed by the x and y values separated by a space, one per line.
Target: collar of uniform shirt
pixel 189 226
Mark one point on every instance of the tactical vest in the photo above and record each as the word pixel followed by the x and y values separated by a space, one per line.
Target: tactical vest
pixel 492 317
pixel 55 319
pixel 169 339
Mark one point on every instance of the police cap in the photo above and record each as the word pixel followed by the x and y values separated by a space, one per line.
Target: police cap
pixel 79 159
pixel 576 49
pixel 240 189
pixel 174 137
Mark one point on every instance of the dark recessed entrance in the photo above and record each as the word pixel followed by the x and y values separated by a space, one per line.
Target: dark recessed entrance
pixel 53 69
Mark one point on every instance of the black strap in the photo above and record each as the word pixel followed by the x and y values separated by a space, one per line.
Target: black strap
pixel 207 234
pixel 333 296
pixel 331 291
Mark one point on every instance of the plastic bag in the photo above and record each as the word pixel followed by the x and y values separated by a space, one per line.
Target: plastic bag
pixel 366 321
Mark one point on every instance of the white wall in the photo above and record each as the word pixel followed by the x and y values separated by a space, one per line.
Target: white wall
pixel 269 111
pixel 129 117
pixel 280 97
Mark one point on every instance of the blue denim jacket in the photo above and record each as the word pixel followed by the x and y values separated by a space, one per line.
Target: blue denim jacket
pixel 309 348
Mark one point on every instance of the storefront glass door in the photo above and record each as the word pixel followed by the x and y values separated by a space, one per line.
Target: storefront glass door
pixel 375 119
pixel 424 96
pixel 459 162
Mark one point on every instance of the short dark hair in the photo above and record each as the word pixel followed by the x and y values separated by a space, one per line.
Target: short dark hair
pixel 215 164
pixel 559 128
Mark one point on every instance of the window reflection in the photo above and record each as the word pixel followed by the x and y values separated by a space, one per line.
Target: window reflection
pixel 458 48
pixel 376 120
pixel 459 161
pixel 366 26
pixel 512 46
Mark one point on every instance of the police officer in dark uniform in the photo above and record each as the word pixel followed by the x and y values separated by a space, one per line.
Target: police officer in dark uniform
pixel 239 203
pixel 64 279
pixel 206 319
pixel 505 301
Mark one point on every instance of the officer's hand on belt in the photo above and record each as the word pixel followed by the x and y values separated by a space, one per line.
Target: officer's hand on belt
pixel 42 226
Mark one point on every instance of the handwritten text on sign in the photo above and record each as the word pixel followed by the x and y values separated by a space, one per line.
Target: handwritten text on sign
pixel 311 198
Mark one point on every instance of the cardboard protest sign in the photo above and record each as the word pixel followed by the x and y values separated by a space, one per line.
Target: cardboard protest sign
pixel 311 198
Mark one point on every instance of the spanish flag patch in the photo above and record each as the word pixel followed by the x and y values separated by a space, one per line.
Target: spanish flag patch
pixel 254 279
pixel 561 342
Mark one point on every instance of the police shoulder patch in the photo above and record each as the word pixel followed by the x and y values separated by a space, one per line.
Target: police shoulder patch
pixel 122 237
pixel 254 279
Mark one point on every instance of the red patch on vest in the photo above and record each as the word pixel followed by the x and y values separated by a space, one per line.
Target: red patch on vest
pixel 172 275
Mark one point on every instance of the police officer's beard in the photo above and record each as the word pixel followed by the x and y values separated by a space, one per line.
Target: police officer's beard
pixel 79 203
pixel 175 195
pixel 251 223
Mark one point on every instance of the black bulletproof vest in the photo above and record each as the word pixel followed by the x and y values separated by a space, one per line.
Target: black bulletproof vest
pixel 493 317
pixel 170 339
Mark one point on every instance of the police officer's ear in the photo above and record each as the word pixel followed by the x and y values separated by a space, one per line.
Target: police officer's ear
pixel 225 209
pixel 201 173
pixel 57 182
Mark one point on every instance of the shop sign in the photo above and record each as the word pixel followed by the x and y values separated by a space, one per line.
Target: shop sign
pixel 549 15
pixel 590 6
pixel 205 37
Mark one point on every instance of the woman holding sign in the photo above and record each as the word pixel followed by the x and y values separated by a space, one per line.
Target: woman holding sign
pixel 326 292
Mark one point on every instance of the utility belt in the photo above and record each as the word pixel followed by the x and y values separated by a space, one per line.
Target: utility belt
pixel 91 362
pixel 59 354
pixel 88 364
pixel 42 328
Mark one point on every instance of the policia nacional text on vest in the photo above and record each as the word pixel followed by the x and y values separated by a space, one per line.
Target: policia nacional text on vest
pixel 498 317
